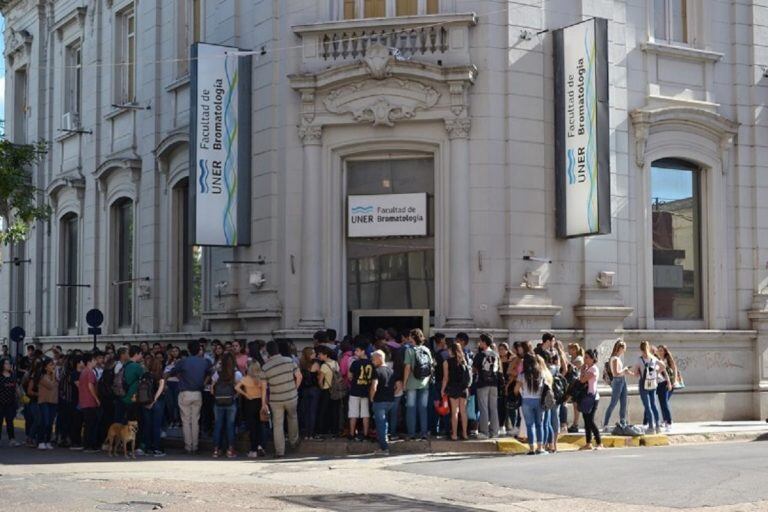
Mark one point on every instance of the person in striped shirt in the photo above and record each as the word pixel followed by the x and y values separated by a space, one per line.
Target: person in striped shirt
pixel 280 380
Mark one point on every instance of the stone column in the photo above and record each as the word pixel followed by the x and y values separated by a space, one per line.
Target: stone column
pixel 601 313
pixel 311 314
pixel 459 256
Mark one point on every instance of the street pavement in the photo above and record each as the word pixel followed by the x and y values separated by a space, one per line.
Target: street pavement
pixel 727 477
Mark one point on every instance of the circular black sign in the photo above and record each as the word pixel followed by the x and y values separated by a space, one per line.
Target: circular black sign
pixel 94 317
pixel 17 334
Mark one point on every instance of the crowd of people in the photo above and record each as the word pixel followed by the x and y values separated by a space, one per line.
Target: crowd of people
pixel 395 385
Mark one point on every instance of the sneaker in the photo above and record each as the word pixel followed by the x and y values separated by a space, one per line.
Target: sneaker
pixel 139 452
pixel 514 432
pixel 163 434
pixel 42 446
pixel 668 427
pixel 253 455
pixel 231 454
pixel 650 430
pixel 76 448
pixel 396 437
pixel 657 430
pixel 502 432
pixel 606 429
pixel 48 446
pixel 158 453
pixel 573 429
pixel 381 453
pixel 260 452
pixel 481 436
pixel 14 443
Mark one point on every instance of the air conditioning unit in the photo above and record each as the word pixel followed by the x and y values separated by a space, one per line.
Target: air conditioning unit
pixel 70 121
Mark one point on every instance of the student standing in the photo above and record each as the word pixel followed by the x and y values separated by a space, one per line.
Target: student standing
pixel 417 374
pixel 529 386
pixel 192 372
pixel 309 393
pixel 328 407
pixel 89 403
pixel 382 396
pixel 249 388
pixel 8 400
pixel 588 406
pixel 457 378
pixel 487 368
pixel 619 374
pixel 47 400
pixel 360 377
pixel 669 379
pixel 225 405
pixel 154 412
pixel 648 368
pixel 280 381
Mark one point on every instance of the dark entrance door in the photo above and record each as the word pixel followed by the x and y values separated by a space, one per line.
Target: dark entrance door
pixel 369 324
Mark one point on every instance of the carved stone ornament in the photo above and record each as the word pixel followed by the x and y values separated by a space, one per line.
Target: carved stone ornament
pixel 310 134
pixel 458 128
pixel 377 59
pixel 381 102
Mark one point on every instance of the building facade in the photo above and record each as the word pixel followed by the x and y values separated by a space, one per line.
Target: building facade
pixel 454 99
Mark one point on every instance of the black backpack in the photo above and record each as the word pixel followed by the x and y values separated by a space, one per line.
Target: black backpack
pixel 559 388
pixel 466 376
pixel 224 393
pixel 422 363
pixel 489 369
pixel 118 383
pixel 105 383
pixel 145 392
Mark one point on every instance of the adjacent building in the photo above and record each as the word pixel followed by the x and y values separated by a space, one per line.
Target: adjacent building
pixel 451 102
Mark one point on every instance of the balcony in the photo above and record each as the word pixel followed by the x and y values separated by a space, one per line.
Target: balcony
pixel 441 39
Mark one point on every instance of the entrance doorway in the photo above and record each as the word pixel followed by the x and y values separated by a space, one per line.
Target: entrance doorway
pixel 391 280
pixel 366 321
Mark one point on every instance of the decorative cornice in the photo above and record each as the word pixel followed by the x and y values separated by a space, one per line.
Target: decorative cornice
pixel 112 165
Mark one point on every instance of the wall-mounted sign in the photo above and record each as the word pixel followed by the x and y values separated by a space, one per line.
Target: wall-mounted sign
pixel 220 134
pixel 582 144
pixel 387 215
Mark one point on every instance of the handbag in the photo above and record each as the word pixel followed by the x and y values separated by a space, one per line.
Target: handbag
pixel 264 415
pixel 441 406
pixel 587 403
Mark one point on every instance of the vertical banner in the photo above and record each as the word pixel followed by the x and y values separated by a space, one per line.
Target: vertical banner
pixel 582 143
pixel 220 135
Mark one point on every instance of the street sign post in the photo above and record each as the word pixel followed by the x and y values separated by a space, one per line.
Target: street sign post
pixel 17 336
pixel 94 318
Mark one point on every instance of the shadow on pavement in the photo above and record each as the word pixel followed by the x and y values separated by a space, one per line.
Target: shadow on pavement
pixel 371 503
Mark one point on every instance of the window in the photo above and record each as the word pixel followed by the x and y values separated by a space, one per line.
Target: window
pixel 189 30
pixel 353 9
pixel 123 260
pixel 190 289
pixel 20 106
pixel 73 81
pixel 676 218
pixel 126 56
pixel 69 275
pixel 670 20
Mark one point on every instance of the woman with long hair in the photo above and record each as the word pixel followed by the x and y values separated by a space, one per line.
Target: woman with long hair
pixel 309 393
pixel 154 412
pixel 225 406
pixel 667 384
pixel 648 368
pixel 457 378
pixel 241 357
pixel 618 375
pixel 8 400
pixel 590 374
pixel 529 385
pixel 47 400
pixel 575 363
pixel 249 388
pixel 505 357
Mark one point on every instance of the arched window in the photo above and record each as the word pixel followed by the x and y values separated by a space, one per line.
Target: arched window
pixel 190 256
pixel 123 232
pixel 676 218
pixel 69 236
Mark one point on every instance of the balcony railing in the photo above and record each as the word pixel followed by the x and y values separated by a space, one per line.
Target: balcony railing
pixel 442 38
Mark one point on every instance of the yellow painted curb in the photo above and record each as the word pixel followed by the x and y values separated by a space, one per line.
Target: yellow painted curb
pixel 574 439
pixel 566 447
pixel 654 440
pixel 511 446
pixel 19 423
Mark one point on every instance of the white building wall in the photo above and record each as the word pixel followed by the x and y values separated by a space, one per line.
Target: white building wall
pixel 511 207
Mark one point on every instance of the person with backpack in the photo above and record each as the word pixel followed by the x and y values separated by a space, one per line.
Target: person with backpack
pixel 332 391
pixel 457 379
pixel 132 372
pixel 417 374
pixel 486 368
pixel 648 368
pixel 616 375
pixel 223 384
pixel 360 376
pixel 590 374
pixel 192 372
pixel 150 395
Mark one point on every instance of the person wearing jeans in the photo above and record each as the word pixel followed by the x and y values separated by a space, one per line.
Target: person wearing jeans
pixel 487 368
pixel 153 414
pixel 89 403
pixel 619 373
pixel 224 421
pixel 529 386
pixel 664 393
pixel 382 396
pixel 191 371
pixel 590 374
pixel 647 362
pixel 417 388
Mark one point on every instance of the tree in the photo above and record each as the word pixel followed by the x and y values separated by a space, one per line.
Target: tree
pixel 19 205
